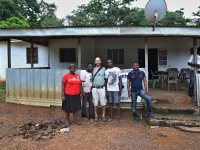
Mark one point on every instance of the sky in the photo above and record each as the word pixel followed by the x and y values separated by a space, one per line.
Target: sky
pixel 65 7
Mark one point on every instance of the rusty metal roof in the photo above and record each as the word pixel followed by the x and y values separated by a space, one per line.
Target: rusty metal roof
pixel 100 31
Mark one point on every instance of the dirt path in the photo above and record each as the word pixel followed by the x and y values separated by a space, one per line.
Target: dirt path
pixel 95 136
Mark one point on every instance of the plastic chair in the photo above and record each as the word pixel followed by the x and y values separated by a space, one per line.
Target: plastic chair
pixel 155 79
pixel 172 77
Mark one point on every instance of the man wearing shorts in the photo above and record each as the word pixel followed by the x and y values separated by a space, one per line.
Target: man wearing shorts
pixel 114 87
pixel 98 89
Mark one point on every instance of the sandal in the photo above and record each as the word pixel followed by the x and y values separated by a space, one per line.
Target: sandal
pixel 104 119
pixel 77 122
pixel 96 119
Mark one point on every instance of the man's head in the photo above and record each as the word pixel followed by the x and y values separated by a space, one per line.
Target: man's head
pixel 136 66
pixel 109 63
pixel 89 67
pixel 97 61
pixel 72 68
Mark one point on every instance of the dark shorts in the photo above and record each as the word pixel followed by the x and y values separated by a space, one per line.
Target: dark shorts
pixel 72 103
pixel 113 97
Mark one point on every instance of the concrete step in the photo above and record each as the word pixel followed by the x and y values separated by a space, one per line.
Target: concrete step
pixel 176 109
pixel 173 120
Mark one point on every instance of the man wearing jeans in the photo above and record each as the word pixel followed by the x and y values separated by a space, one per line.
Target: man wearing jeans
pixel 86 77
pixel 134 80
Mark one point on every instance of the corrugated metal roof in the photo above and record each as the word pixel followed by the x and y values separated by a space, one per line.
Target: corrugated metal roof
pixel 100 31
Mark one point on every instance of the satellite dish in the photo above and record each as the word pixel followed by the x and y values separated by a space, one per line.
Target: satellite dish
pixel 155 10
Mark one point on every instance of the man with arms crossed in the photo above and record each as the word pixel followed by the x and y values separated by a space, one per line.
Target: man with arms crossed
pixel 114 87
pixel 134 80
pixel 98 89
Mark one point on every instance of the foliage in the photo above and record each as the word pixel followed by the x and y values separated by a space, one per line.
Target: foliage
pixel 197 15
pixel 13 22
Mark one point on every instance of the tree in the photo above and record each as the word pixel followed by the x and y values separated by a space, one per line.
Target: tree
pixel 36 13
pixel 13 22
pixel 197 14
pixel 8 9
pixel 118 12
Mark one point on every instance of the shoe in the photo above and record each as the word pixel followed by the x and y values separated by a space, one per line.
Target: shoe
pixel 104 119
pixel 149 115
pixel 136 119
pixel 96 119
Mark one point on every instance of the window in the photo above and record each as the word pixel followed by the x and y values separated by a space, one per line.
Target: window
pixel 162 58
pixel 67 54
pixel 35 55
pixel 117 55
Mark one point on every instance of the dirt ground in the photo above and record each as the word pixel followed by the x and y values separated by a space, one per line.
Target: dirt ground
pixel 89 135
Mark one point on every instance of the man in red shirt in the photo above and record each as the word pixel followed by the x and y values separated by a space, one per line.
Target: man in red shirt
pixel 71 92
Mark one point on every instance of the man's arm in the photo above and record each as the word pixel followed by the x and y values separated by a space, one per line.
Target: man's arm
pixel 145 84
pixel 120 85
pixel 63 90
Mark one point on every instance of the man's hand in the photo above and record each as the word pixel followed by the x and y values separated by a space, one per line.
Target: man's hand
pixel 120 92
pixel 63 98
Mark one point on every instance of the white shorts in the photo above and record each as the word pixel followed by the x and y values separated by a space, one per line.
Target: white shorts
pixel 99 95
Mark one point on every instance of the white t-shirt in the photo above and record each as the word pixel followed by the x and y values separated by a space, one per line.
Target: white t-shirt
pixel 191 60
pixel 86 77
pixel 113 74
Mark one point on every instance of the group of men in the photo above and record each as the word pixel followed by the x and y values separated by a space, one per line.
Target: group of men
pixel 104 85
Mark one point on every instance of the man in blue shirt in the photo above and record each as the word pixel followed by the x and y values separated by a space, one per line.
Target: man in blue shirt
pixel 135 79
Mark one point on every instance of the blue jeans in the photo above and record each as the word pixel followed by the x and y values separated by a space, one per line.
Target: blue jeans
pixel 191 85
pixel 147 98
pixel 87 97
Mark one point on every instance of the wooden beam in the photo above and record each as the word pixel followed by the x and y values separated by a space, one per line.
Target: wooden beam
pixel 195 69
pixel 48 54
pixel 32 46
pixel 146 59
pixel 79 53
pixel 9 52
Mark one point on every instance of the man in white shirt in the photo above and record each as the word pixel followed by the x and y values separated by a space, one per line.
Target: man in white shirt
pixel 86 77
pixel 113 87
pixel 193 65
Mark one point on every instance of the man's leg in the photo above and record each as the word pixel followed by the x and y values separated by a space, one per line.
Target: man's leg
pixel 110 101
pixel 67 115
pixel 95 97
pixel 191 85
pixel 148 100
pixel 91 106
pixel 83 113
pixel 116 100
pixel 134 106
pixel 103 101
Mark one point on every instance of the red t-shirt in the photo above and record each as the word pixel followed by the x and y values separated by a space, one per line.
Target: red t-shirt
pixel 73 84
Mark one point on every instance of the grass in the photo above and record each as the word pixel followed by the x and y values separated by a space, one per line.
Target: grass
pixel 2 92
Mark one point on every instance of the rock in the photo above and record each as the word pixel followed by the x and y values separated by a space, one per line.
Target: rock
pixel 189 129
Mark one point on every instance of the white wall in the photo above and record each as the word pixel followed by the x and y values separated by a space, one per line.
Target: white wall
pixel 18 56
pixel 87 51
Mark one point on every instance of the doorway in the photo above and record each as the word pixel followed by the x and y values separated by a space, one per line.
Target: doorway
pixel 152 59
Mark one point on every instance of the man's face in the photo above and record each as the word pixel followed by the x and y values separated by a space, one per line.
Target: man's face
pixel 72 69
pixel 136 66
pixel 97 61
pixel 90 67
pixel 109 63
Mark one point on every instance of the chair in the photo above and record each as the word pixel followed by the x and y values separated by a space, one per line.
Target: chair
pixel 172 77
pixel 184 74
pixel 155 78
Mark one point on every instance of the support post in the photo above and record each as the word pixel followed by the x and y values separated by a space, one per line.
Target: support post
pixel 146 59
pixel 32 46
pixel 79 53
pixel 9 52
pixel 195 69
pixel 48 53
